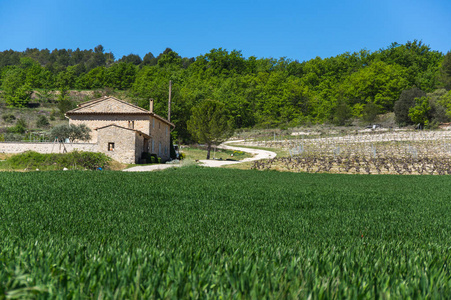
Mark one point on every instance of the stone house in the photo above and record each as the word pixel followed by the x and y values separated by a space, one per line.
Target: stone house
pixel 122 130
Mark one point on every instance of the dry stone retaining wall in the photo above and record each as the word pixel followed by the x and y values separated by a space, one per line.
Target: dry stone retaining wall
pixel 19 147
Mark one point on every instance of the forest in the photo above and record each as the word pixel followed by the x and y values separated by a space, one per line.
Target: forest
pixel 409 79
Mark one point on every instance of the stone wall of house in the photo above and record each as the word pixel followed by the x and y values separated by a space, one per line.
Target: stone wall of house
pixel 124 144
pixel 19 147
pixel 160 133
pixel 156 128
pixel 137 122
pixel 139 147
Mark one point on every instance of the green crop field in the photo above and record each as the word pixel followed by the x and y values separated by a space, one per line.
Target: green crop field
pixel 211 233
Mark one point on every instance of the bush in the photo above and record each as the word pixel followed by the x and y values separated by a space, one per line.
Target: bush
pixel 8 118
pixel 150 158
pixel 57 161
pixel 42 122
pixel 64 105
pixel 405 102
pixel 434 124
pixel 238 153
pixel 20 127
pixel 12 137
pixel 53 115
pixel 90 160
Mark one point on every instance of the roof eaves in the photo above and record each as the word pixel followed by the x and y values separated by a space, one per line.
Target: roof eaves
pixel 106 113
pixel 163 119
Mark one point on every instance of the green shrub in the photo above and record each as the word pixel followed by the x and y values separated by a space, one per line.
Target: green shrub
pixel 434 124
pixel 21 122
pixel 90 160
pixel 53 114
pixel 151 158
pixel 13 137
pixel 404 103
pixel 57 161
pixel 65 105
pixel 42 122
pixel 8 118
pixel 20 127
pixel 29 159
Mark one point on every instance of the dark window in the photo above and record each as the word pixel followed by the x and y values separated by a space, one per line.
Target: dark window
pixel 110 146
pixel 131 124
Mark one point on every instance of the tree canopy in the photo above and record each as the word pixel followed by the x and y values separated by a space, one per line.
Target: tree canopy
pixel 72 132
pixel 445 72
pixel 210 124
pixel 257 92
pixel 405 102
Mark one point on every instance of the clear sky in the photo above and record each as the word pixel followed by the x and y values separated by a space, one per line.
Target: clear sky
pixel 299 30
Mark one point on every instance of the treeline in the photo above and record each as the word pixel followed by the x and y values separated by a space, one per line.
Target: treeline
pixel 262 92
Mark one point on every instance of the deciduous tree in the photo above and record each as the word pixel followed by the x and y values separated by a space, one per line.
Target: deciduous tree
pixel 342 115
pixel 72 132
pixel 419 114
pixel 132 59
pixel 16 91
pixel 369 113
pixel 405 102
pixel 210 124
pixel 445 72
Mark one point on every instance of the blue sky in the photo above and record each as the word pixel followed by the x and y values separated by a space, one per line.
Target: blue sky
pixel 298 30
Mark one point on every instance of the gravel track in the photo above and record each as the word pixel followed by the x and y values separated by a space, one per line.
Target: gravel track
pixel 258 154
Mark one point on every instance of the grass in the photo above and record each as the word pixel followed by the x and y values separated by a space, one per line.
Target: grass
pixel 241 166
pixel 30 160
pixel 196 153
pixel 218 233
pixel 278 151
pixel 5 156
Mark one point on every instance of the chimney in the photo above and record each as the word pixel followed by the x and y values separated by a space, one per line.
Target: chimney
pixel 151 105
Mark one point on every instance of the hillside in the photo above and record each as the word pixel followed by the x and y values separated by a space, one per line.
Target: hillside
pixel 50 109
pixel 258 92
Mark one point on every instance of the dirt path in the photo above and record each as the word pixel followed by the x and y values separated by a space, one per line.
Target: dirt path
pixel 258 154
pixel 151 168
